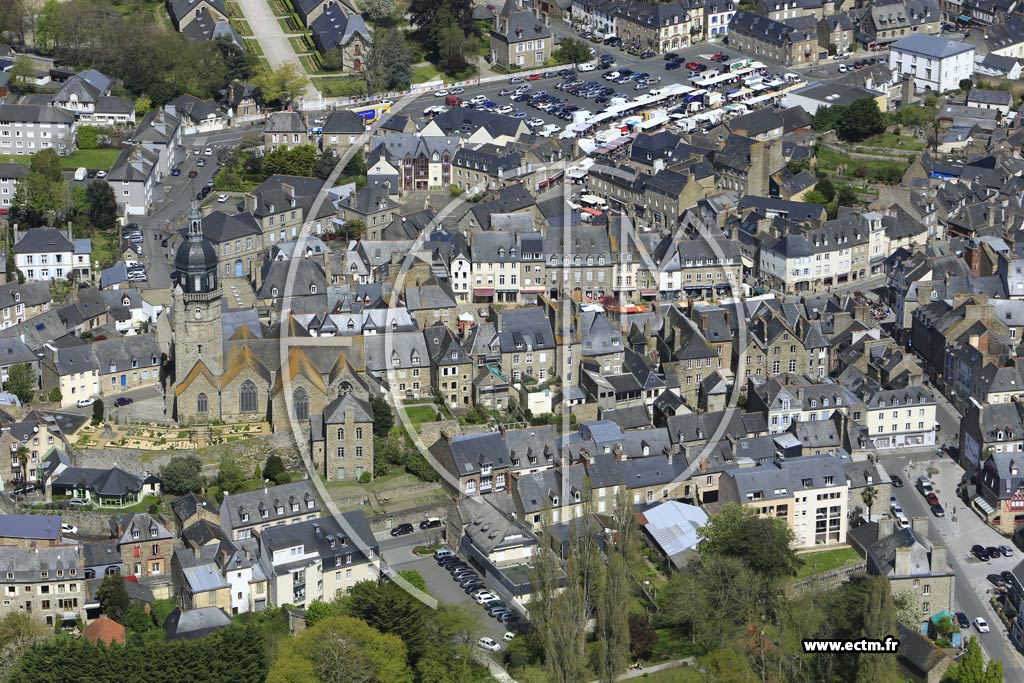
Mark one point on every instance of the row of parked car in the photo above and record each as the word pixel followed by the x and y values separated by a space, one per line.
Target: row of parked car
pixel 474 586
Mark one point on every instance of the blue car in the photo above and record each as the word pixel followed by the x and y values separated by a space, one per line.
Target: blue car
pixel 669 66
pixel 176 172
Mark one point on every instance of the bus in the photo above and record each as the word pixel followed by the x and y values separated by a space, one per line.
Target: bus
pixel 369 113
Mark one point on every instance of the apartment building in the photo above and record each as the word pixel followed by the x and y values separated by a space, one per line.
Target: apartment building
pixel 47 584
pixel 29 128
pixel 810 493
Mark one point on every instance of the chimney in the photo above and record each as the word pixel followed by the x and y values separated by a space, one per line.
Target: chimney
pixel 939 564
pixel 501 429
pixel 620 454
pixel 902 563
pixel 884 527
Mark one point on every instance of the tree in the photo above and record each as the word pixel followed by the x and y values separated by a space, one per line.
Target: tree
pixel 966 84
pixel 36 201
pixel 281 85
pixel 142 106
pixel 47 163
pixel 383 418
pixel 88 137
pixel 23 75
pixel 230 476
pixel 762 543
pixel 101 203
pixel 333 60
pixel 389 64
pixel 879 622
pixel 273 468
pixel 389 609
pixel 414 578
pixel 97 411
pixel 971 667
pixel 423 13
pixel 113 597
pixel 377 11
pixel 860 120
pixel 572 51
pixel 352 230
pixel 826 188
pixel 137 619
pixel 21 381
pixel 325 163
pixel 612 622
pixel 182 474
pixel 239 62
pixel 642 636
pixel 869 495
pixel 298 161
pixel 847 197
pixel 22 455
pixel 826 118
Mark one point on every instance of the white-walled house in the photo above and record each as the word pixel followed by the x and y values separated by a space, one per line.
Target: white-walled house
pixel 935 64
pixel 50 254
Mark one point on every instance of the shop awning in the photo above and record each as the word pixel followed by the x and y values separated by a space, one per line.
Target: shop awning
pixel 483 291
pixel 983 505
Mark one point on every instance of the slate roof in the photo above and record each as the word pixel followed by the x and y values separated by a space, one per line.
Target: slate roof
pixel 195 623
pixel 270 498
pixel 43 241
pixel 930 46
pixel 32 527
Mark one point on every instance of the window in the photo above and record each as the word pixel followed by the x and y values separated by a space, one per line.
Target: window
pixel 300 400
pixel 202 404
pixel 247 397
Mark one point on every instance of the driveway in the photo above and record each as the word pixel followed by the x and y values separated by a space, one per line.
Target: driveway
pixel 273 39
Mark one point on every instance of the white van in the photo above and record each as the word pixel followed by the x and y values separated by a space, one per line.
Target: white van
pixel 81 173
pixel 442 553
pixel 585 66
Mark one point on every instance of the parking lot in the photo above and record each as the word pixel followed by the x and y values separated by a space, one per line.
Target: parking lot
pixel 446 590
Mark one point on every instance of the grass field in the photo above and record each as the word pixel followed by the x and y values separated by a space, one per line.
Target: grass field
pixel 90 158
pixel 340 86
pixel 104 247
pixel 826 560
pixel 16 159
pixel 420 414
pixel 426 72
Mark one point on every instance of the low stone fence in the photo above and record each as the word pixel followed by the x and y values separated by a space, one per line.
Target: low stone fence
pixel 830 579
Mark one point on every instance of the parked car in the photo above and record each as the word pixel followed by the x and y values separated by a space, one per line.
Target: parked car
pixel 896 481
pixel 981 625
pixel 938 510
pixel 101 173
pixel 484 597
pixel 27 488
pixel 516 79
pixel 473 587
pixel 431 523
pixel 507 617
pixel 993 552
pixel 85 402
pixel 193 173
pixel 1006 550
pixel 979 553
pixel 69 529
pixel 646 54
pixel 931 498
pixel 533 77
pixel 489 644
pixel 1008 577
pixel 402 530
pixel 996 580
pixel 78 503
pixel 122 401
pixel 670 66
pixel 176 171
pixel 208 152
pixel 509 636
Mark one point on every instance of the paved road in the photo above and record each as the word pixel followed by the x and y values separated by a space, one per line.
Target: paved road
pixel 959 530
pixel 272 38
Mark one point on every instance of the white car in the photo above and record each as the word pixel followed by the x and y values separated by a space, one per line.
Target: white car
pixel 479 99
pixel 505 110
pixel 509 636
pixel 221 198
pixel 481 598
pixel 101 174
pixel 489 644
pixel 78 502
pixel 68 529
pixel 585 66
pixel 843 68
pixel 208 152
pixel 980 624
pixel 440 93
pixel 85 402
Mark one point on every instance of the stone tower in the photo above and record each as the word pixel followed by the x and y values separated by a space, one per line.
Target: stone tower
pixel 197 303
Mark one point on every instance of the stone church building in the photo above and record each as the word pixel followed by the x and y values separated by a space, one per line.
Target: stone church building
pixel 230 366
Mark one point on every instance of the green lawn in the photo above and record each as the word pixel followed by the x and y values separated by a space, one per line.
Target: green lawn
pixel 826 560
pixel 242 27
pixel 104 248
pixel 426 72
pixel 90 158
pixel 16 159
pixel 891 141
pixel 340 86
pixel 420 414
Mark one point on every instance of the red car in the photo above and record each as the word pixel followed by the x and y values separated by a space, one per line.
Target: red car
pixel 533 77
pixel 932 499
pixel 715 57
pixel 193 173
pixel 693 66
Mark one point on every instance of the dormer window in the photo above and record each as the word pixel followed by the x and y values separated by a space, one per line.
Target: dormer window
pixel 264 513
pixel 245 516
pixel 136 534
pixel 312 289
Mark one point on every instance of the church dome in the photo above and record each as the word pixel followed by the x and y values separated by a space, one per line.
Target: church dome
pixel 195 262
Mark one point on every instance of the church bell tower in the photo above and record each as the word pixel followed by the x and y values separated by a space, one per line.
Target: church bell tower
pixel 198 335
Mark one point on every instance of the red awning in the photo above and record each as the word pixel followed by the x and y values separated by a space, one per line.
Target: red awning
pixel 592 212
pixel 483 291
